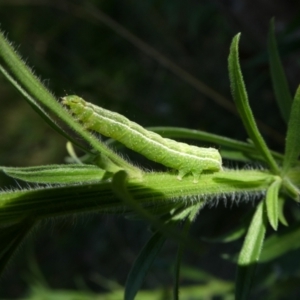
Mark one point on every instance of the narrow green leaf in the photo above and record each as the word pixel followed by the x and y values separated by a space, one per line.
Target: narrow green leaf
pixel 281 217
pixel 142 265
pixel 272 202
pixel 279 81
pixel 250 253
pixel 187 224
pixel 291 189
pixel 178 259
pixel 253 178
pixel 292 144
pixel 60 174
pixel 240 97
pixel 281 243
pixel 184 211
pixel 294 175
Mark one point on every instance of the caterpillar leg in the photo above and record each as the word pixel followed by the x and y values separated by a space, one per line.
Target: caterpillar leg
pixel 196 176
pixel 182 173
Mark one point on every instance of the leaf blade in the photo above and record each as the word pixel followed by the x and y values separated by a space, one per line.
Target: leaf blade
pixel 292 144
pixel 250 253
pixel 240 97
pixel 272 204
pixel 279 81
pixel 142 265
pixel 60 174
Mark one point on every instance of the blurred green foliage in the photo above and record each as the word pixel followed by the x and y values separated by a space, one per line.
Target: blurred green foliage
pixel 73 47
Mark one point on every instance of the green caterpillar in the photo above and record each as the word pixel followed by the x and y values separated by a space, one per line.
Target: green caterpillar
pixel 180 156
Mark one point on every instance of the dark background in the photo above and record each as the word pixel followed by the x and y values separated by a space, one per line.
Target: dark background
pixel 159 63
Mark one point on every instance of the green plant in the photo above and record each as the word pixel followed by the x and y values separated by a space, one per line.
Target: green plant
pixel 103 181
